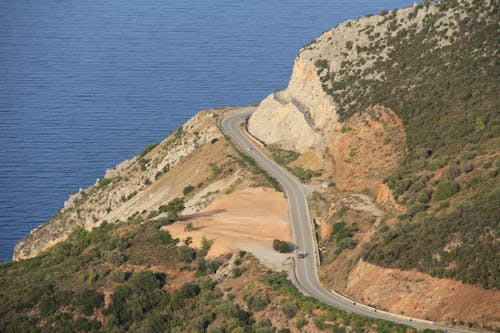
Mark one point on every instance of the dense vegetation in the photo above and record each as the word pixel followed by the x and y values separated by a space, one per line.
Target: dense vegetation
pixel 133 277
pixel 442 81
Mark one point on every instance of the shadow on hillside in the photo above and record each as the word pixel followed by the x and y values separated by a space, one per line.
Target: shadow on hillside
pixel 203 214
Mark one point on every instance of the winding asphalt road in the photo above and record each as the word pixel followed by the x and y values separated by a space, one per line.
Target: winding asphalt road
pixel 303 233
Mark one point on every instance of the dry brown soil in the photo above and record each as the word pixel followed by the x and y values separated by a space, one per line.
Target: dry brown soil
pixel 248 219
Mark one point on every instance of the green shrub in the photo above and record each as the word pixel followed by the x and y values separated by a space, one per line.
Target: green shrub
pixel 213 265
pixel 185 254
pixel 416 207
pixel 445 189
pixel 174 207
pixel 425 196
pixel 256 301
pixel 304 175
pixel 179 133
pixel 452 172
pixel 119 276
pixel 147 149
pixel 237 271
pixel 113 257
pixel 289 309
pixel 282 156
pixel 188 189
pixel 117 312
pixel 103 182
pixel 321 63
pixel 161 237
pixel 468 168
pixel 345 129
pixel 187 291
pixel 300 323
pixel 281 246
pixel 90 299
pixel 215 169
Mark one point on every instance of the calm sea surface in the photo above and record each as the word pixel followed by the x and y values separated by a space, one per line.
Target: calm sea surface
pixel 86 84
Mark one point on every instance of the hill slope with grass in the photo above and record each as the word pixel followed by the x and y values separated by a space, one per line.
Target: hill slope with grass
pixel 402 107
pixel 132 276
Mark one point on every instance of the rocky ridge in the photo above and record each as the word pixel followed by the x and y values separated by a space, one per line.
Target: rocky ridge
pixel 143 183
pixel 303 115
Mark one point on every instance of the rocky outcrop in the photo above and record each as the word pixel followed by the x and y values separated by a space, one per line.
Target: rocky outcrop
pixel 140 184
pixel 304 114
pixel 284 123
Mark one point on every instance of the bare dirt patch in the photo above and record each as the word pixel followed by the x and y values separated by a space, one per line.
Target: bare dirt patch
pixel 417 294
pixel 366 149
pixel 247 219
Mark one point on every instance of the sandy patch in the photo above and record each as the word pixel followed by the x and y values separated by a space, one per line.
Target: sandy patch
pixel 248 219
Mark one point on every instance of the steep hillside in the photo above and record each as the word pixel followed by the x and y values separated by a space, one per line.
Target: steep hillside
pixel 133 277
pixel 196 162
pixel 403 107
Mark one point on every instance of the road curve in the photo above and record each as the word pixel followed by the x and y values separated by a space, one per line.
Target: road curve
pixel 303 233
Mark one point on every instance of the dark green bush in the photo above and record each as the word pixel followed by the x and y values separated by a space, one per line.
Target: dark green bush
pixel 281 246
pixel 256 301
pixel 174 207
pixel 289 309
pixel 147 149
pixel 185 254
pixel 445 189
pixel 186 292
pixel 237 271
pixel 90 299
pixel 188 189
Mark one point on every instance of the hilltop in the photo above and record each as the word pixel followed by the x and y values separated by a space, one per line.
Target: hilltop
pixel 398 116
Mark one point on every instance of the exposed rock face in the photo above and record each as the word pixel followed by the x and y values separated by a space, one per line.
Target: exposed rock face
pixel 304 114
pixel 282 123
pixel 298 117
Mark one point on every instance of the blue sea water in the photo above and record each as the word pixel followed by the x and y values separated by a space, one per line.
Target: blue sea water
pixel 86 84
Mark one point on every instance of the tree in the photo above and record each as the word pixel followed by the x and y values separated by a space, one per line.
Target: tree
pixel 281 246
pixel 185 253
pixel 188 189
pixel 205 246
pixel 89 300
pixel 174 207
pixel 117 312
